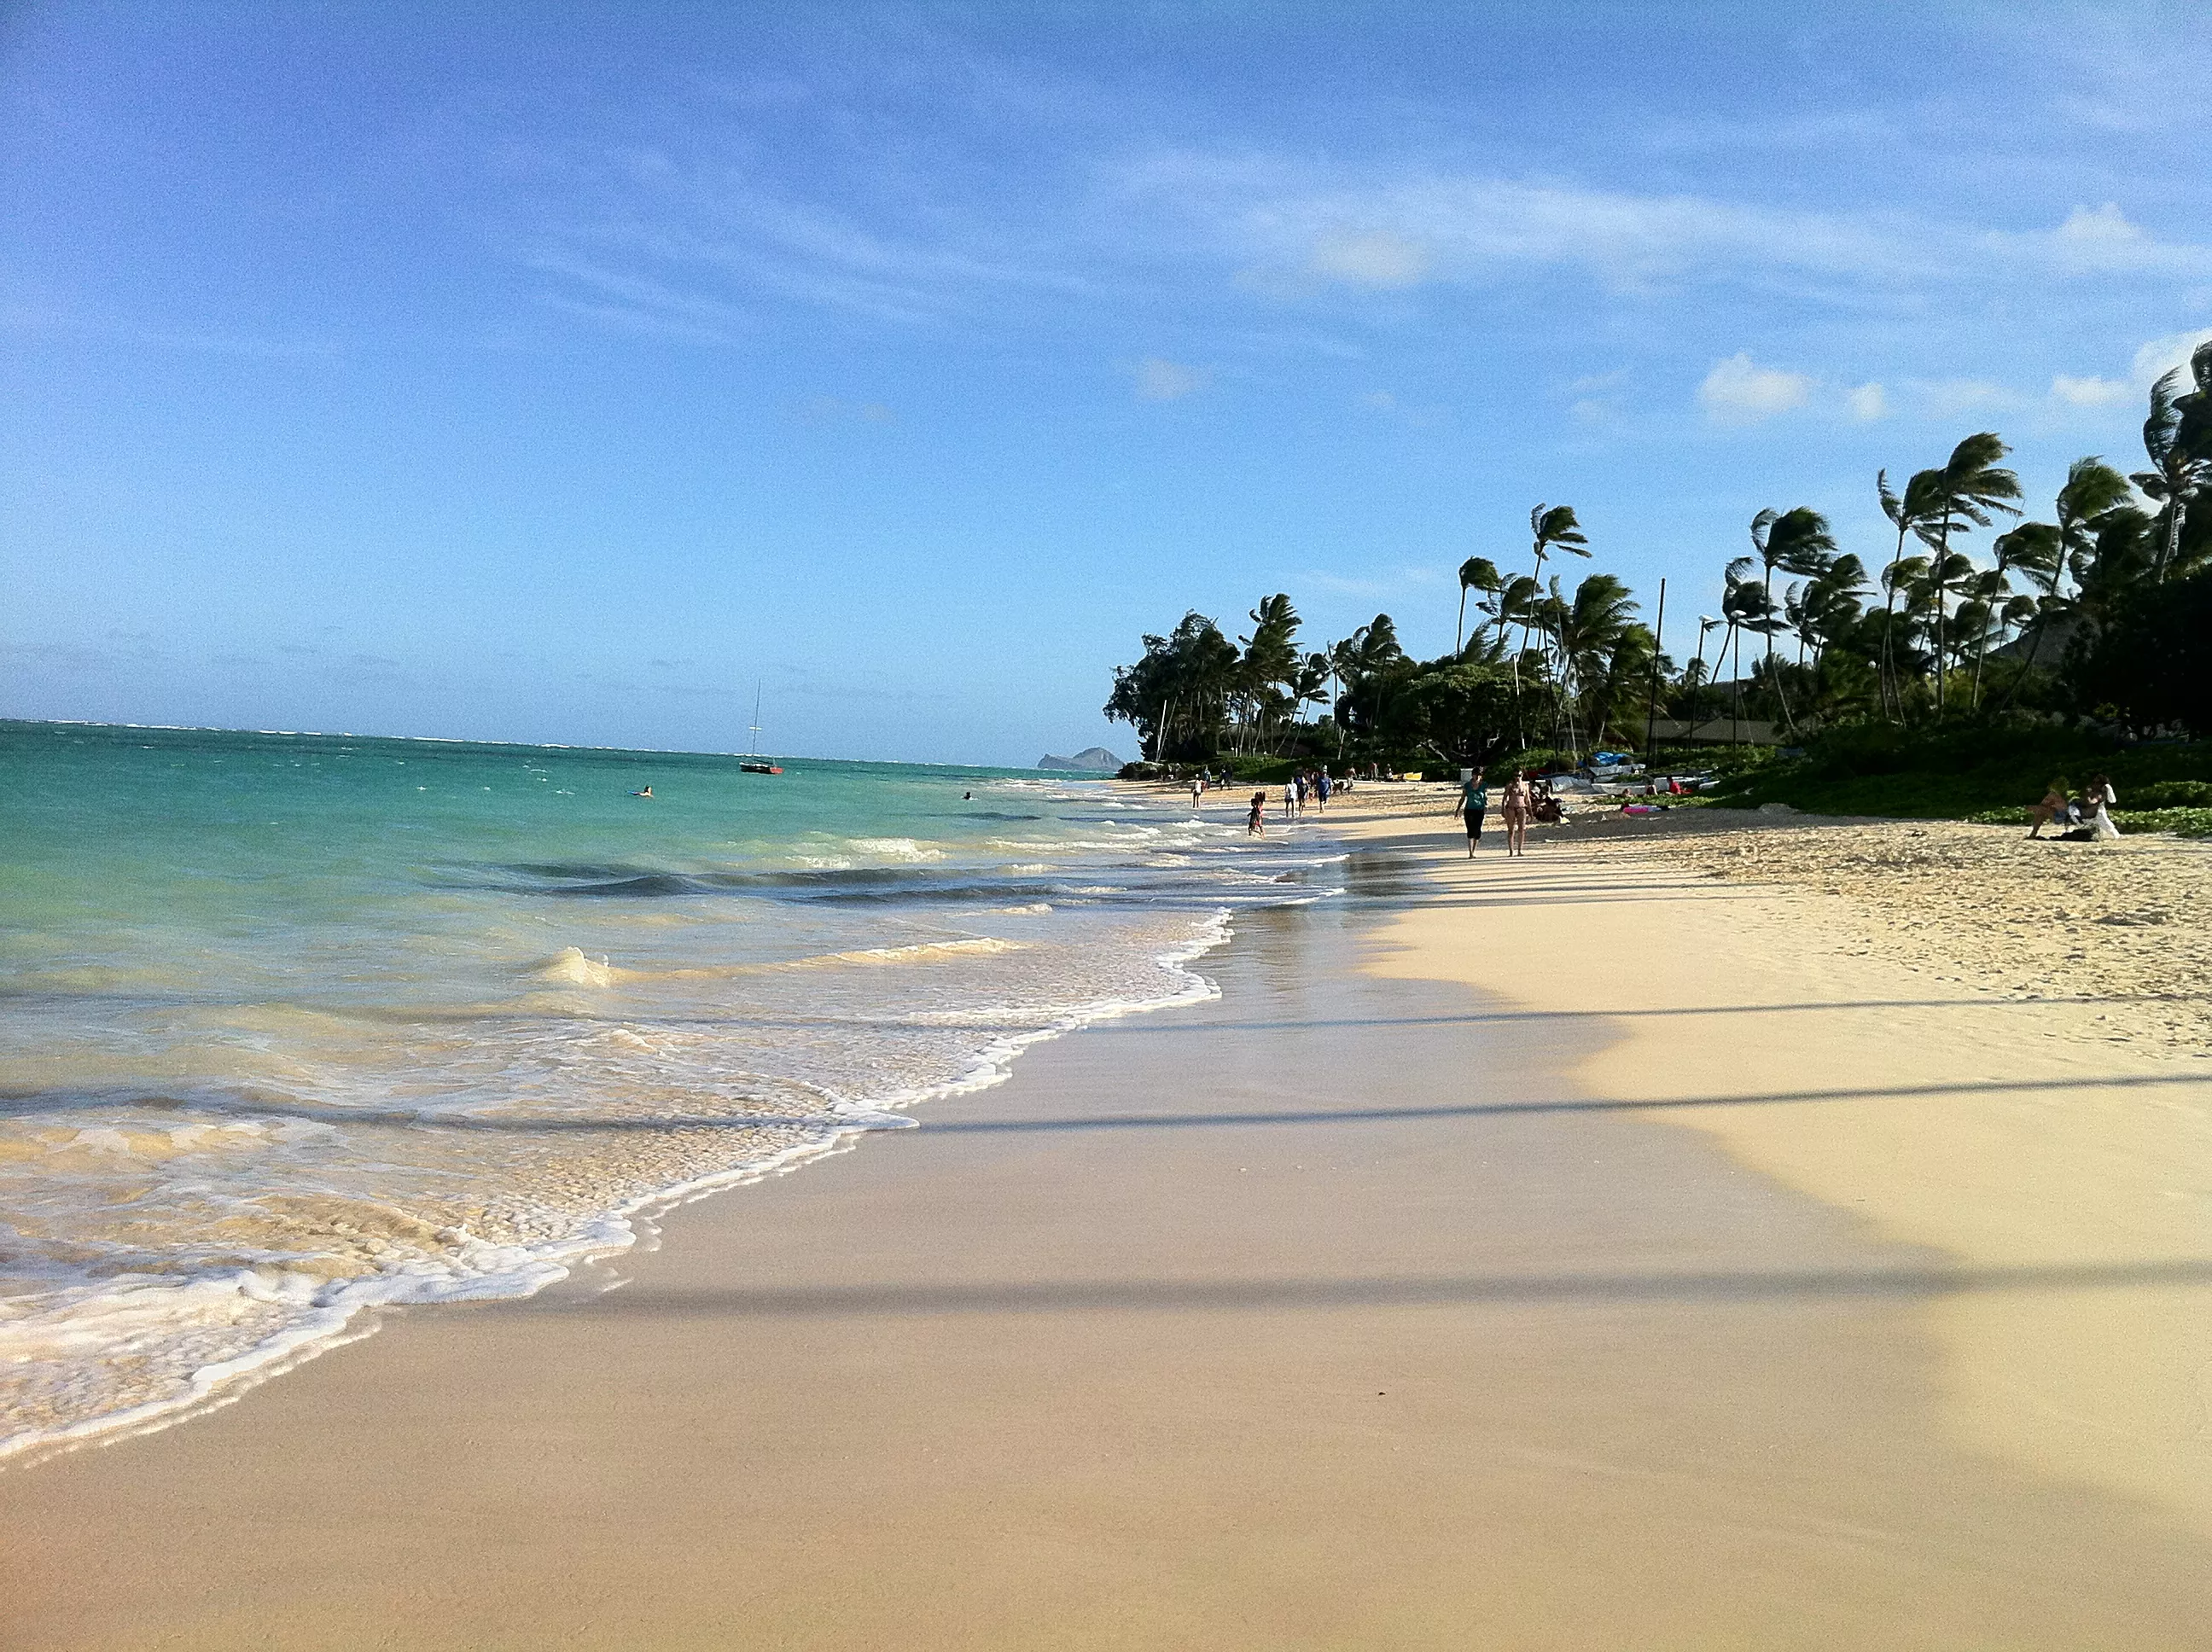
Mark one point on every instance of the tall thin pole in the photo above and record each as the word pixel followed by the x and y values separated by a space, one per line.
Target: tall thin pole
pixel 1658 637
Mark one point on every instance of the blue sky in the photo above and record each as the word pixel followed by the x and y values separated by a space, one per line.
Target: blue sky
pixel 557 371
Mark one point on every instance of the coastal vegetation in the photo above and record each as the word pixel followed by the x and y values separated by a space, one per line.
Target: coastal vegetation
pixel 1991 641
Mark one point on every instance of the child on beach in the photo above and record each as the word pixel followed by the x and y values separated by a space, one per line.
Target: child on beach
pixel 1256 825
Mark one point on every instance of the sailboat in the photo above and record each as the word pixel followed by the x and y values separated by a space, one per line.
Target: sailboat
pixel 753 762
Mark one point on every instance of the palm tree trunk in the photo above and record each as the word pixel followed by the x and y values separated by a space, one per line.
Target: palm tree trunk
pixel 1735 687
pixel 1888 627
pixel 1942 556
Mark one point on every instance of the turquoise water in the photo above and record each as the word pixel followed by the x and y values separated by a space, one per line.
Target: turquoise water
pixel 293 1025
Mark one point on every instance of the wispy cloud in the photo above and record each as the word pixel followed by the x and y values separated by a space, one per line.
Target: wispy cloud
pixel 1436 226
pixel 1374 258
pixel 1162 381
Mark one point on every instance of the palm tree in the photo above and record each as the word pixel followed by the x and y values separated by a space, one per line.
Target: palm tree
pixel 1969 487
pixel 1795 542
pixel 1587 629
pixel 2030 547
pixel 1554 527
pixel 1907 513
pixel 2180 455
pixel 2093 489
pixel 1706 626
pixel 1745 605
pixel 1475 574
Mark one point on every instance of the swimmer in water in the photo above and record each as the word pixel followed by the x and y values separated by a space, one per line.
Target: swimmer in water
pixel 967 797
pixel 646 794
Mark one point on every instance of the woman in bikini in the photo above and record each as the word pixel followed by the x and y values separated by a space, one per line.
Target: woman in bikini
pixel 1517 803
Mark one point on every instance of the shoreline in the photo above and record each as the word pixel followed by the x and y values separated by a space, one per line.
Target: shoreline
pixel 1360 1305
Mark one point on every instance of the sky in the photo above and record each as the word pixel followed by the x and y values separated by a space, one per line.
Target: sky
pixel 572 372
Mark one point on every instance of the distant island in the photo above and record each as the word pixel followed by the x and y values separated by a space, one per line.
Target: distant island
pixel 1096 757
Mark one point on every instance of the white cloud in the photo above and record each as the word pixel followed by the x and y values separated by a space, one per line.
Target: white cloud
pixel 1375 259
pixel 2161 355
pixel 1869 403
pixel 1162 381
pixel 2106 226
pixel 1739 392
pixel 1379 401
pixel 2091 391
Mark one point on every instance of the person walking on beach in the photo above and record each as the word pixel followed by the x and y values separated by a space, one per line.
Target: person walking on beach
pixel 1197 789
pixel 1518 804
pixel 1289 800
pixel 1256 825
pixel 1474 803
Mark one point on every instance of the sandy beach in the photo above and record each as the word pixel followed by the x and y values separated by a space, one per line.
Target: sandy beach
pixel 1587 1250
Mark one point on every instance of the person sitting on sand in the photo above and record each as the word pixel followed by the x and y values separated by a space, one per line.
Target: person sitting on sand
pixel 1256 825
pixel 2052 808
pixel 1473 800
pixel 2095 801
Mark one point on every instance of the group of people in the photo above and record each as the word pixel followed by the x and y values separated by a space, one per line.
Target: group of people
pixel 1517 806
pixel 1308 786
pixel 2082 818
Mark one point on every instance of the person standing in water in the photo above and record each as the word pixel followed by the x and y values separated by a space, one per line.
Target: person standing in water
pixel 1256 825
pixel 1474 802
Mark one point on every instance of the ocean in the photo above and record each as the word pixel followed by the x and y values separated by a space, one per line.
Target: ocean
pixel 292 1025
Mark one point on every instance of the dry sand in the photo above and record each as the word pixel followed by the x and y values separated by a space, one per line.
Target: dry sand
pixel 1994 1046
pixel 1362 1308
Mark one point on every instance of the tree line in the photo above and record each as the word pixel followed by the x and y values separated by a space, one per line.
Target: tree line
pixel 2102 611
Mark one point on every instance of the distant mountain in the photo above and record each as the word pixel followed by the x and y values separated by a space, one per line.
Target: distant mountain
pixel 1097 757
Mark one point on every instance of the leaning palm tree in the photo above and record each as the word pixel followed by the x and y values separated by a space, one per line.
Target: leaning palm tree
pixel 2181 460
pixel 2093 491
pixel 1745 605
pixel 1706 626
pixel 1906 513
pixel 1794 542
pixel 1969 487
pixel 2031 548
pixel 1587 629
pixel 1554 528
pixel 1475 574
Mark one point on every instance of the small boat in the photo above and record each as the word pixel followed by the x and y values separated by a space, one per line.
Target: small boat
pixel 754 764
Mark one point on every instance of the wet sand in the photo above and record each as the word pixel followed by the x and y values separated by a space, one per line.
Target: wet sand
pixel 1362 1307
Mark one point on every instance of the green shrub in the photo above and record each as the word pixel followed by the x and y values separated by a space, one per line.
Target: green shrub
pixel 2182 823
pixel 2170 794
